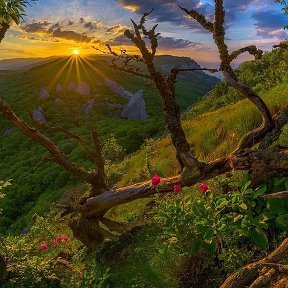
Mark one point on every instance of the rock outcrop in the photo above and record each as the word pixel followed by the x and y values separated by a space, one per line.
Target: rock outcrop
pixel 83 89
pixel 38 114
pixel 59 88
pixel 44 94
pixel 136 108
pixel 118 89
pixel 89 106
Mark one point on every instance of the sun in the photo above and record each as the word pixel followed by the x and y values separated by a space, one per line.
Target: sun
pixel 76 52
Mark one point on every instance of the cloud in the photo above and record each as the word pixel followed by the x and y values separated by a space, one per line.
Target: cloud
pixel 270 24
pixel 91 25
pixel 36 27
pixel 168 11
pixel 166 43
pixel 78 30
pixel 116 30
pixel 71 35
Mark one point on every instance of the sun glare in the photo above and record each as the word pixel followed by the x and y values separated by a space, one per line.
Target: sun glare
pixel 76 52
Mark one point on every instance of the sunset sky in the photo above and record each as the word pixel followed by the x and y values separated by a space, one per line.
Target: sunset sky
pixel 54 27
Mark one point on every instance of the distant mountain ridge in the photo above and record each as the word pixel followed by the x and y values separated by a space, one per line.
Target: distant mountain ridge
pixel 23 63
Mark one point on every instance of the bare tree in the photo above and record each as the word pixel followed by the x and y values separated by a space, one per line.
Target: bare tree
pixel 261 163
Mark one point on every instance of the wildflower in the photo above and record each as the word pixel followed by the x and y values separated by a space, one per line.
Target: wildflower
pixel 58 238
pixel 203 187
pixel 155 180
pixel 65 239
pixel 177 188
pixel 55 245
pixel 43 246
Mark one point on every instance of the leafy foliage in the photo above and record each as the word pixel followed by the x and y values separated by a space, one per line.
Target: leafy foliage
pixel 13 10
pixel 223 223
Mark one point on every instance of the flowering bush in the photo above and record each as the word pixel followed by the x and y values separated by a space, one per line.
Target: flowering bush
pixel 213 223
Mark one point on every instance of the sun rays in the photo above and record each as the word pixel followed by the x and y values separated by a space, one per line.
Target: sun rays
pixel 77 69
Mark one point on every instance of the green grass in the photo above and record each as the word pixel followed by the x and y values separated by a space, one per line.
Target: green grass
pixel 36 182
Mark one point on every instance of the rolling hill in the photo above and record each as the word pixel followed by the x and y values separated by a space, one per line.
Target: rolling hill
pixel 59 91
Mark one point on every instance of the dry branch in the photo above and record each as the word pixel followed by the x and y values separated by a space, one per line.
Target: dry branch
pixel 244 276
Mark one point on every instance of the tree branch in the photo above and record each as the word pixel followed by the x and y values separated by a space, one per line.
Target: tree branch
pixel 71 135
pixel 200 18
pixel 175 71
pixel 272 159
pixel 57 154
pixel 4 27
pixel 252 50
pixel 244 275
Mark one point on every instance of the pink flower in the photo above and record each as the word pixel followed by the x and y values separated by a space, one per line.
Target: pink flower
pixel 155 180
pixel 58 238
pixel 177 188
pixel 43 246
pixel 203 187
pixel 64 239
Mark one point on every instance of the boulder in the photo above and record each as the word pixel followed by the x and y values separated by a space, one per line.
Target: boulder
pixel 71 86
pixel 118 89
pixel 136 108
pixel 38 114
pixel 44 94
pixel 59 88
pixel 89 106
pixel 8 131
pixel 83 89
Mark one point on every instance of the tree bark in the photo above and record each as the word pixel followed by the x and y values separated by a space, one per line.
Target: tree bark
pixel 4 27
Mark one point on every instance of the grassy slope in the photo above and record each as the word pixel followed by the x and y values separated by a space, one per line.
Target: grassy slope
pixel 36 181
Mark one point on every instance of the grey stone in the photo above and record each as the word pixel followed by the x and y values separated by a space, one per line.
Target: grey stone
pixel 118 89
pixel 136 108
pixel 89 106
pixel 38 114
pixel 59 88
pixel 44 94
pixel 83 89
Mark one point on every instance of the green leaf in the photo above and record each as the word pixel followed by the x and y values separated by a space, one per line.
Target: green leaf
pixel 195 246
pixel 210 247
pixel 259 237
pixel 208 237
pixel 282 222
pixel 277 206
pixel 243 206
pixel 260 191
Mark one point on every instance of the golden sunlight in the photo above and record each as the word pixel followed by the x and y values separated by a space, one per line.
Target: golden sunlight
pixel 76 52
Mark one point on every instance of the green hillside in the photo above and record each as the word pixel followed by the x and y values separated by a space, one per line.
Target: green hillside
pixel 162 252
pixel 37 181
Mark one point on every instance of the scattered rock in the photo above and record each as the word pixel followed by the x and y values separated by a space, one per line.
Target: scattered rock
pixel 59 88
pixel 118 89
pixel 83 89
pixel 58 101
pixel 89 106
pixel 136 108
pixel 38 114
pixel 44 94
pixel 71 86
pixel 8 131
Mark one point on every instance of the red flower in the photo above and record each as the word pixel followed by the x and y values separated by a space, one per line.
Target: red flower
pixel 58 238
pixel 43 246
pixel 155 180
pixel 55 245
pixel 203 187
pixel 64 239
pixel 177 188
